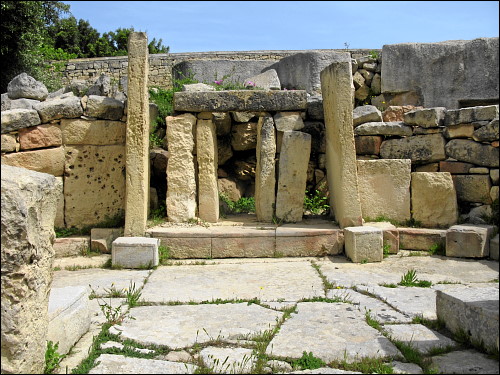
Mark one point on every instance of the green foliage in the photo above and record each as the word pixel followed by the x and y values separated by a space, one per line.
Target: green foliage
pixel 386 250
pixel 242 205
pixel 66 232
pixel 52 357
pixel 132 295
pixel 157 216
pixel 373 54
pixel 412 223
pixel 308 361
pixel 315 202
pixel 410 279
pixel 437 249
pixel 163 254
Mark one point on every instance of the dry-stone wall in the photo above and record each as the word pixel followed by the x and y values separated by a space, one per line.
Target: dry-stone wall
pixel 80 140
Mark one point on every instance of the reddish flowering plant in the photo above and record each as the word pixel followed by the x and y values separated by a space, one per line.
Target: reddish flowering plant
pixel 218 82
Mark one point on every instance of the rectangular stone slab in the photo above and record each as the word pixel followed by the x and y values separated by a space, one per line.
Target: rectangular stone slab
pixel 135 252
pixel 240 100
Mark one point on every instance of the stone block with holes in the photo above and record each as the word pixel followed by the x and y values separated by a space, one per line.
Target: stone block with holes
pixel 135 252
pixel 468 240
pixel 364 244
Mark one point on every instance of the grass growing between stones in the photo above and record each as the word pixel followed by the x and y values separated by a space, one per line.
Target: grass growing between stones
pixel 308 362
pixel 409 279
pixel 366 365
pixel 327 285
pixel 52 357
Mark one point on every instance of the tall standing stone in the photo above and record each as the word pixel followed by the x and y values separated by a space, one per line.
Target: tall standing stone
pixel 294 160
pixel 181 176
pixel 137 163
pixel 206 151
pixel 265 175
pixel 337 87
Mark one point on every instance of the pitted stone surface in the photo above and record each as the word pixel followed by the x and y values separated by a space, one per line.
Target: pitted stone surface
pixel 184 325
pixel 331 331
pixel 379 310
pixel 419 337
pixel 265 281
pixel 229 360
pixel 465 362
pixel 118 364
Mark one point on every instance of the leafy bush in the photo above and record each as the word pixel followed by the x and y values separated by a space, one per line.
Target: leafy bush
pixel 308 361
pixel 52 357
pixel 242 205
pixel 316 203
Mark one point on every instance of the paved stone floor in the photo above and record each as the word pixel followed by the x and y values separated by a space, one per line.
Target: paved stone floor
pixel 261 315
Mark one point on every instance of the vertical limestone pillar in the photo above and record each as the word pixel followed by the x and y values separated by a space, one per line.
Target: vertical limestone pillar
pixel 337 89
pixel 181 175
pixel 265 170
pixel 137 139
pixel 206 150
pixel 294 159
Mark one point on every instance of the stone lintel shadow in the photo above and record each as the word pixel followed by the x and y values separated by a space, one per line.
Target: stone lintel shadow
pixel 240 100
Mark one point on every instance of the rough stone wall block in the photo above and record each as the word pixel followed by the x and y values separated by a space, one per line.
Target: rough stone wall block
pixel 265 171
pixel 468 240
pixel 337 87
pixel 294 159
pixel 208 193
pixel 28 203
pixel 137 162
pixel 364 244
pixel 181 180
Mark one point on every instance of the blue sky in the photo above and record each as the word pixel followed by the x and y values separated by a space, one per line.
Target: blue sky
pixel 202 26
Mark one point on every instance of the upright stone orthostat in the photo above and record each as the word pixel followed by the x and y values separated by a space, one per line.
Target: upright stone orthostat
pixel 294 159
pixel 265 173
pixel 206 151
pixel 137 149
pixel 181 176
pixel 338 87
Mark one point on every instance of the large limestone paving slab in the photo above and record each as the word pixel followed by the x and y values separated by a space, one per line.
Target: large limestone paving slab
pixel 119 364
pixel 473 310
pixel 50 160
pixel 28 204
pixel 137 136
pixel 434 199
pixel 93 132
pixel 94 183
pixel 292 175
pixel 240 100
pixel 181 181
pixel 384 188
pixel 208 193
pixel 337 88
pixel 331 331
pixel 268 281
pixel 419 337
pixel 183 326
pixel 379 310
pixel 265 170
pixel 229 360
pixel 465 362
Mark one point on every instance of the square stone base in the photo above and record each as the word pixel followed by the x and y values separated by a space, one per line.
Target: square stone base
pixel 135 252
pixel 364 244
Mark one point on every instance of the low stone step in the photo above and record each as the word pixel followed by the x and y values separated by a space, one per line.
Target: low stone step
pixel 71 246
pixel 421 238
pixel 473 311
pixel 69 316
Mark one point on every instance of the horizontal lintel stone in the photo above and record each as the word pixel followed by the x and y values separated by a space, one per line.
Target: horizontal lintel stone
pixel 240 100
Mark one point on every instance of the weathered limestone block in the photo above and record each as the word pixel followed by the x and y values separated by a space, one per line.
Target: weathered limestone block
pixel 222 122
pixel 6 101
pixel 469 240
pixel 384 188
pixel 135 252
pixel 494 192
pixel 23 103
pixel 365 113
pixel 25 86
pixel 208 194
pixel 265 174
pixel 421 149
pixel 368 144
pixel 364 244
pixel 181 181
pixel 494 175
pixel 471 114
pixel 104 107
pixel 240 116
pixel 288 121
pixel 390 235
pixel 337 88
pixel 93 132
pixel 426 118
pixel 358 80
pixel 71 246
pixel 28 202
pixel 267 80
pixel 421 238
pixel 49 160
pixel 14 119
pixel 376 85
pixel 292 175
pixel 240 100
pixel 494 248
pixel 434 199
pixel 362 93
pixel 472 152
pixel 9 143
pixel 315 107
pixel 137 138
pixel 94 184
pixel 69 107
pixel 473 188
pixel 395 113
pixel 384 128
pixel 101 239
pixel 40 136
pixel 231 188
pixel 59 220
pixel 244 136
pixel 197 87
pixel 488 132
pixel 459 131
